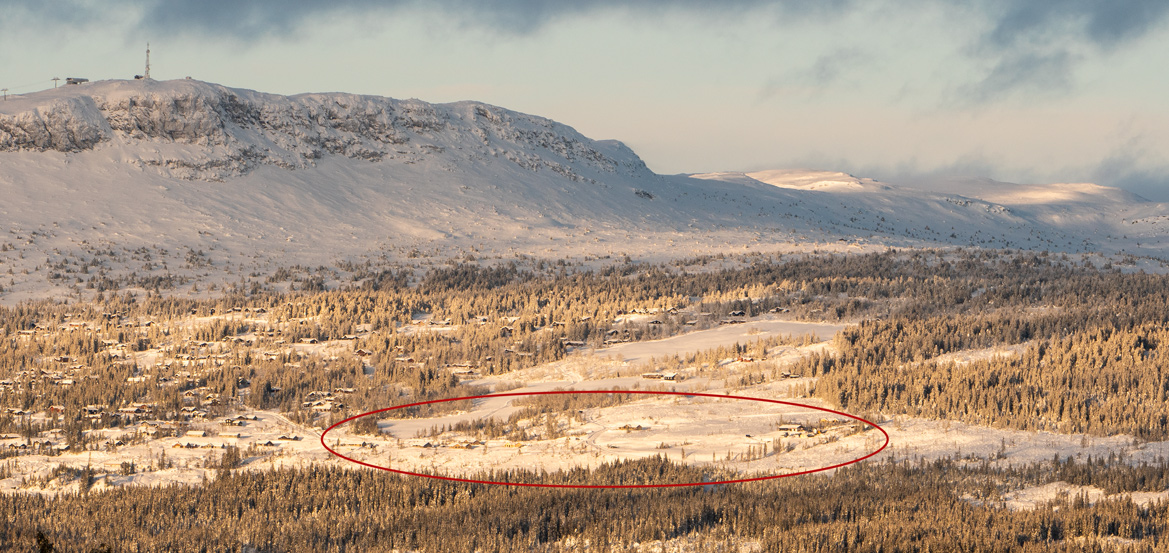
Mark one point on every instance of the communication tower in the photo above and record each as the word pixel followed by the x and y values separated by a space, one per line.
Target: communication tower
pixel 147 74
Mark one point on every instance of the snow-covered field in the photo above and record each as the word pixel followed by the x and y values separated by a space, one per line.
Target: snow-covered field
pixel 275 442
pixel 758 329
pixel 754 438
pixel 1035 496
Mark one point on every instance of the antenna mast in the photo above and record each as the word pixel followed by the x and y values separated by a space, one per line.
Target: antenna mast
pixel 55 79
pixel 147 75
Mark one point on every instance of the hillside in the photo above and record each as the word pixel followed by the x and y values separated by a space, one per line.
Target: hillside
pixel 178 185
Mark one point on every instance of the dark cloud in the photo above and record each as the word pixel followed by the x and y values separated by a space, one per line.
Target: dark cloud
pixel 1148 184
pixel 1105 24
pixel 1126 170
pixel 250 20
pixel 509 16
pixel 65 12
pixel 827 70
pixel 1027 45
pixel 256 19
pixel 1013 23
pixel 1024 71
pixel 245 20
pixel 1036 44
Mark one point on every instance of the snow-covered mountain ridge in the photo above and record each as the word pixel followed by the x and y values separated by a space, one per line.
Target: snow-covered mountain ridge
pixel 182 184
pixel 229 132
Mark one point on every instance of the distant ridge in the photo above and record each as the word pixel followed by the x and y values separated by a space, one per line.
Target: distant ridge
pixel 126 182
pixel 218 132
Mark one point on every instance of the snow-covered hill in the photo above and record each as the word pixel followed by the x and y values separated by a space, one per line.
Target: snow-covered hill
pixel 195 130
pixel 183 183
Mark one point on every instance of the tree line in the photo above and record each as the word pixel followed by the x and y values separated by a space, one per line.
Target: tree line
pixel 942 505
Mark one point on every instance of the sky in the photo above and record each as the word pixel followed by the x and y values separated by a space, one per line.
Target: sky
pixel 899 90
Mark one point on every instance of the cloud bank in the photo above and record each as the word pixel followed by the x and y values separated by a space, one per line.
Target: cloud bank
pixel 1023 46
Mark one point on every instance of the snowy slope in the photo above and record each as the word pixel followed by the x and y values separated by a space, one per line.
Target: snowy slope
pixel 112 178
pixel 1060 217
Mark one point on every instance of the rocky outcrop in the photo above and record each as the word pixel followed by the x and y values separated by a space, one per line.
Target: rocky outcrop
pixel 226 132
pixel 66 125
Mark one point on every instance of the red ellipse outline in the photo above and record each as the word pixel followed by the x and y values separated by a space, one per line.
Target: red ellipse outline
pixel 607 486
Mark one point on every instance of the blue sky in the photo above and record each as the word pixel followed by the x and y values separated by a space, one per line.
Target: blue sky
pixel 1039 91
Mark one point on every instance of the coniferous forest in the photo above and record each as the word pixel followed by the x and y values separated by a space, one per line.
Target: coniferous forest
pixel 1078 346
pixel 948 505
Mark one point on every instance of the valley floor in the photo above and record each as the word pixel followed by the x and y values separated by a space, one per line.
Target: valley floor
pixel 750 438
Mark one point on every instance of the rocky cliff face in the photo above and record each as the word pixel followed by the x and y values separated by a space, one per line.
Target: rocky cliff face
pixel 196 130
pixel 65 124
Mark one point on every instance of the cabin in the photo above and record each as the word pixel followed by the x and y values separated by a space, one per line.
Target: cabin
pixel 131 410
pixel 326 405
pixel 790 429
